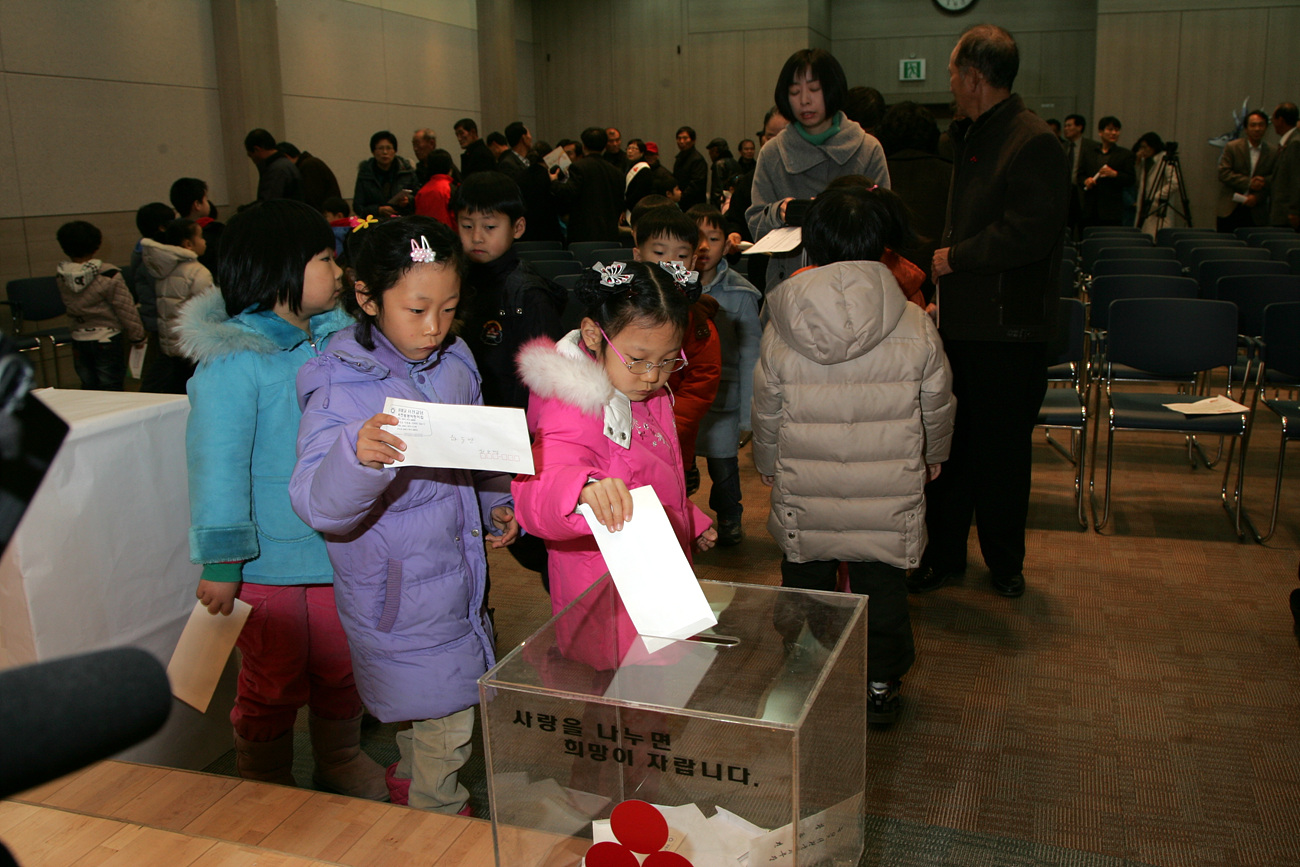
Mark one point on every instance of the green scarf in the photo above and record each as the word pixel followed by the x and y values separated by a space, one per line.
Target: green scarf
pixel 820 138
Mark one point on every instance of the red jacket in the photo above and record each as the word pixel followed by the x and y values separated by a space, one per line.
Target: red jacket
pixel 696 385
pixel 433 198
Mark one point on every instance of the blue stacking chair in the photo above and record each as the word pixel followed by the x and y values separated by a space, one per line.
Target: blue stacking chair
pixel 1198 256
pixel 1066 407
pixel 1167 237
pixel 33 302
pixel 1210 271
pixel 1092 246
pixel 530 246
pixel 1155 267
pixel 1256 235
pixel 552 269
pixel 1280 247
pixel 1280 354
pixel 1166 337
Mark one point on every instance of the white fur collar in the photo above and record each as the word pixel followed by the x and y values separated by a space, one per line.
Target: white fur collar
pixel 566 372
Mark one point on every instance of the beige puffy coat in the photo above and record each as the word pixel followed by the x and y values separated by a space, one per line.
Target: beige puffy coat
pixel 852 398
pixel 179 276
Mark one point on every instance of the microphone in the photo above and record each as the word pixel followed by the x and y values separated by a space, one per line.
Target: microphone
pixel 59 716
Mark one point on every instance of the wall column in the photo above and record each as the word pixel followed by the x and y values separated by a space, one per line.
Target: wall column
pixel 247 45
pixel 497 65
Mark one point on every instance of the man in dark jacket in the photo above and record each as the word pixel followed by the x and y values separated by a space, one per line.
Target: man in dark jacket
pixel 996 274
pixel 318 181
pixel 592 195
pixel 691 169
pixel 477 157
pixel 277 177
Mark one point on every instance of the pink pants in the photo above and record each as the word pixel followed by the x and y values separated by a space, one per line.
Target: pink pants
pixel 294 653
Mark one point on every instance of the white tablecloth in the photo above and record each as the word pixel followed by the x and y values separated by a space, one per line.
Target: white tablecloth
pixel 101 558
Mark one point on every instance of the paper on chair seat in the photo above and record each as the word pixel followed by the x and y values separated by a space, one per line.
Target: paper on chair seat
pixel 461 435
pixel 202 651
pixel 1217 405
pixel 650 571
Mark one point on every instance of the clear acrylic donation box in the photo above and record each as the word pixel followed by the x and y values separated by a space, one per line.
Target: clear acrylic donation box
pixel 744 745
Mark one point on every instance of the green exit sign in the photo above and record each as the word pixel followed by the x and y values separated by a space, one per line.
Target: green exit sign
pixel 911 70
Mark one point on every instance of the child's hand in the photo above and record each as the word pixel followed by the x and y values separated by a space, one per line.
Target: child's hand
pixel 377 448
pixel 610 502
pixel 767 480
pixel 504 519
pixel 707 539
pixel 218 596
pixel 932 471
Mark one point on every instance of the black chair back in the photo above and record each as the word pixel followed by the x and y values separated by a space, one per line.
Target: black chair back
pixel 35 298
pixel 1200 255
pixel 1110 231
pixel 1280 247
pixel 1167 237
pixel 1172 335
pixel 1135 253
pixel 1252 293
pixel 1092 246
pixel 1169 267
pixel 1184 246
pixel 1282 338
pixel 1256 235
pixel 522 246
pixel 545 256
pixel 1211 271
pixel 1105 290
pixel 1067 343
pixel 553 269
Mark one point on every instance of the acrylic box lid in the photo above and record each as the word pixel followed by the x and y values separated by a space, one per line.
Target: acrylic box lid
pixel 764 662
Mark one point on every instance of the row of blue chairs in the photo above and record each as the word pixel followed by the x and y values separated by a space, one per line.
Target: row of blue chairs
pixel 1177 340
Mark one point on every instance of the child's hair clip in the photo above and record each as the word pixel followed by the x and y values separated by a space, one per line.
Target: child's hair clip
pixel 421 252
pixel 873 188
pixel 364 224
pixel 612 275
pixel 681 274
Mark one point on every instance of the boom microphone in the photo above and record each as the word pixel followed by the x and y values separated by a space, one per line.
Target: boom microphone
pixel 59 716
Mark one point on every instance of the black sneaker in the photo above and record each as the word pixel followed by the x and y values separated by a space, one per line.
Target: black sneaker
pixel 883 702
pixel 927 578
pixel 692 480
pixel 1010 586
pixel 729 533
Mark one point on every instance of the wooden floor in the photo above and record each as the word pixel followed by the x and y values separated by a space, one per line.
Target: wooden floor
pixel 117 814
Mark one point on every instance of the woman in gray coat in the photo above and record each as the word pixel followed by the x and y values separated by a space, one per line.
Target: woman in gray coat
pixel 818 146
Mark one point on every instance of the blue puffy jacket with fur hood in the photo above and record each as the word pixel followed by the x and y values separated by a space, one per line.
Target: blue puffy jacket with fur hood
pixel 241 440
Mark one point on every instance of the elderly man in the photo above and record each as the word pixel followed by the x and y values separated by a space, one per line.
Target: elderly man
pixel 996 307
pixel 1244 171
pixel 1285 208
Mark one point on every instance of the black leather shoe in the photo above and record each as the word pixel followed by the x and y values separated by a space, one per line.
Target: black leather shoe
pixel 1009 586
pixel 927 578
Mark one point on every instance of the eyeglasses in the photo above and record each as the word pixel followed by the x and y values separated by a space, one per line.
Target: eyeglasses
pixel 641 368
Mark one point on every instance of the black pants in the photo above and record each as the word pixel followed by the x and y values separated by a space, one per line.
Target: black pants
pixel 724 496
pixel 890 649
pixel 166 374
pixel 999 388
pixel 1240 218
pixel 100 366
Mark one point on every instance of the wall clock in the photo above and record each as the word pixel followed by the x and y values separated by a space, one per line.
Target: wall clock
pixel 954 5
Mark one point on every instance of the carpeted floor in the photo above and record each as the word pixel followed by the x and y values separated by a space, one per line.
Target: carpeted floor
pixel 1140 705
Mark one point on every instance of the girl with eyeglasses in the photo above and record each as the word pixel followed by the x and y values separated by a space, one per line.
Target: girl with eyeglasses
pixel 602 419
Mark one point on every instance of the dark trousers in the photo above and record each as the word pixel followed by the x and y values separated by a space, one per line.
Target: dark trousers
pixel 1240 218
pixel 999 388
pixel 100 366
pixel 165 374
pixel 890 649
pixel 724 496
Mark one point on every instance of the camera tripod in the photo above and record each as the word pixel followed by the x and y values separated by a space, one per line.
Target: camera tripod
pixel 1171 171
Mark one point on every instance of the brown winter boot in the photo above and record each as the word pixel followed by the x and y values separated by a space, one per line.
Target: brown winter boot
pixel 341 766
pixel 267 761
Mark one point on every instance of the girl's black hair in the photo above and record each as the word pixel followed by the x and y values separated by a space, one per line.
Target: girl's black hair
pixel 1157 144
pixel 179 231
pixel 264 250
pixel 851 223
pixel 652 297
pixel 821 65
pixel 384 256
